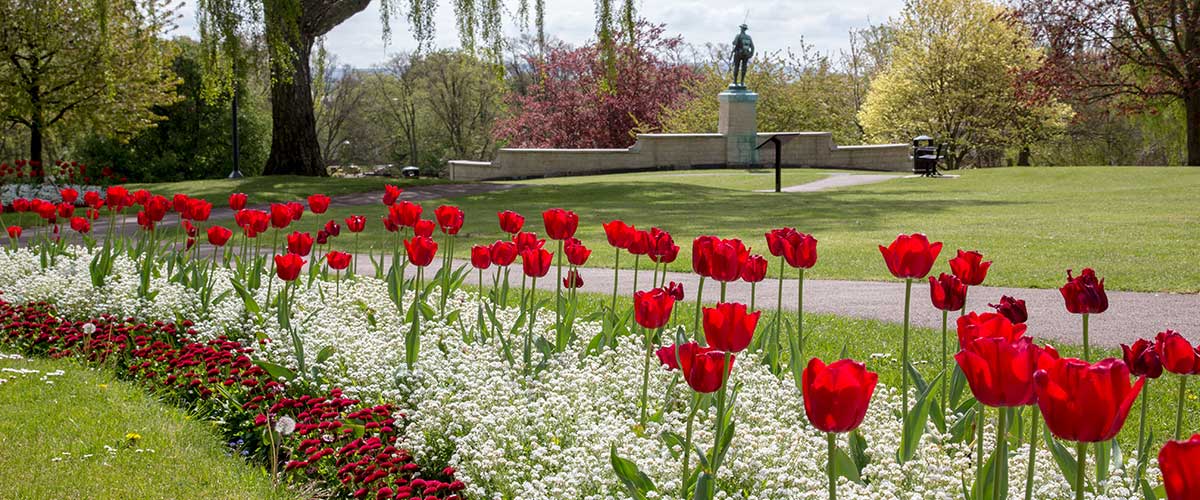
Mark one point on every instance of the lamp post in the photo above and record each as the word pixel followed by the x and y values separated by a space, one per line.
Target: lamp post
pixel 237 171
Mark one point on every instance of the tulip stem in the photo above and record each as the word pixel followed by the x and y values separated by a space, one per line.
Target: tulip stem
pixel 558 289
pixel 979 415
pixel 720 423
pixel 687 447
pixel 1179 407
pixel 1081 452
pixel 1001 465
pixel 1033 445
pixel 904 357
pixel 645 377
pixel 831 439
pixel 945 403
pixel 636 258
pixel 1087 351
pixel 528 351
pixel 800 313
pixel 723 291
pixel 616 274
pixel 1141 469
pixel 699 302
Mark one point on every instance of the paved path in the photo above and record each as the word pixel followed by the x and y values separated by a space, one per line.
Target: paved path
pixel 1131 315
pixel 834 181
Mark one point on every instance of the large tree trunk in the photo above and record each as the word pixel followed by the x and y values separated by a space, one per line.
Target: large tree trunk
pixel 35 143
pixel 295 148
pixel 1191 102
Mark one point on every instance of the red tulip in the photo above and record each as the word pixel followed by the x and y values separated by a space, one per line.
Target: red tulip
pixel 798 249
pixel 652 308
pixel 1000 372
pixel 662 246
pixel 66 210
pixel 218 236
pixel 449 218
pixel 81 225
pixel 1085 402
pixel 1085 294
pixel 281 216
pixel 560 224
pixel 676 290
pixel 1013 309
pixel 1176 353
pixel 947 292
pixel 503 253
pixel 481 257
pixel 390 225
pixel 198 210
pixel 288 266
pixel 619 234
pixel 836 396
pixel 910 256
pixel 322 237
pixel 179 203
pixel 145 221
pixel 356 223
pixel 640 242
pixel 190 228
pixel 729 327
pixel 20 205
pixel 702 249
pixel 1143 359
pixel 572 279
pixel 332 228
pixel 755 269
pixel 667 256
pixel 969 267
pixel 296 208
pixel 1179 462
pixel 141 196
pixel 535 262
pixel 728 257
pixel 299 243
pixel 777 240
pixel 405 213
pixel 318 203
pixel 527 241
pixel 511 222
pixel 338 260
pixel 93 199
pixel 973 326
pixel 577 254
pixel 391 194
pixel 237 201
pixel 703 368
pixel 424 228
pixel 157 207
pixel 14 232
pixel 68 195
pixel 421 250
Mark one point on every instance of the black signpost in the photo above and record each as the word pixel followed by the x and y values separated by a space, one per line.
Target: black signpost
pixel 778 139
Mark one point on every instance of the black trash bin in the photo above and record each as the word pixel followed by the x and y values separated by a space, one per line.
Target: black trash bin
pixel 410 172
pixel 925 156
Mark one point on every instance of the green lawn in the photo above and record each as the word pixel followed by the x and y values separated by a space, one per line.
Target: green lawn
pixel 54 429
pixel 276 188
pixel 738 179
pixel 1139 227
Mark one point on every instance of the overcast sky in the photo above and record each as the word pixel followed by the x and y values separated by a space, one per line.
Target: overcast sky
pixel 774 24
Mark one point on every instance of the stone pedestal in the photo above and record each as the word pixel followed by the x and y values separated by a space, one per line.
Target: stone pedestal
pixel 738 123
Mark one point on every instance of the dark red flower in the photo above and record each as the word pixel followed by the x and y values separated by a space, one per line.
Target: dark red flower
pixel 798 249
pixel 424 227
pixel 1000 372
pixel 702 249
pixel 640 243
pixel 237 201
pixel 777 240
pixel 729 326
pixel 198 210
pixel 728 257
pixel 577 254
pixel 81 225
pixel 973 326
pixel 947 292
pixel 66 210
pixel 68 195
pixel 969 267
pixel 572 279
pixel 338 260
pixel 1179 462
pixel 755 269
pixel 481 257
pixel 703 368
pixel 535 262
pixel 288 266
pixel 318 203
pixel 511 222
pixel 299 243
pixel 910 256
pixel 93 199
pixel 527 241
pixel 1085 294
pixel 405 213
pixel 503 253
pixel 836 396
pixel 179 203
pixel 218 236
pixel 676 290
pixel 141 196
pixel 1013 309
pixel 391 194
pixel 421 250
pixel 356 223
pixel 21 205
pixel 296 208
pixel 619 234
pixel 1143 359
pixel 1177 354
pixel 449 218
pixel 662 246
pixel 281 215
pixel 390 225
pixel 560 224
pixel 1085 402
pixel 652 308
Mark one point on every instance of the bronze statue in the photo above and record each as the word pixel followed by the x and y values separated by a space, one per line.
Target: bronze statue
pixel 743 50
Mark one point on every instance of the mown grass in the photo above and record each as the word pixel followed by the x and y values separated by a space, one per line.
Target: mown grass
pixel 53 433
pixel 735 179
pixel 277 188
pixel 1136 226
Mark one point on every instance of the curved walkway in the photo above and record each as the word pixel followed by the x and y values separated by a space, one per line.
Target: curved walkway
pixel 836 180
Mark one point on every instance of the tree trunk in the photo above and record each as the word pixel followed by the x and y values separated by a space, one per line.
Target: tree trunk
pixel 35 143
pixel 1191 102
pixel 295 148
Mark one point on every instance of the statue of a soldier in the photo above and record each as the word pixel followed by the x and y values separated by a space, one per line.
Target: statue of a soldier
pixel 743 50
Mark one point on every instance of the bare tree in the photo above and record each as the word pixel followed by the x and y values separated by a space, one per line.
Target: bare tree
pixel 395 81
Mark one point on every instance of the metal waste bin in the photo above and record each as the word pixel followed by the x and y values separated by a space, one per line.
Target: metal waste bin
pixel 925 156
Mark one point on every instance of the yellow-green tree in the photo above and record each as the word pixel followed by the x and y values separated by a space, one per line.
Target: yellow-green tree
pixel 954 76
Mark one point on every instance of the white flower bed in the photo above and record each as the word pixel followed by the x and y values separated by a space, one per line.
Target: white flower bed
pixel 547 438
pixel 44 191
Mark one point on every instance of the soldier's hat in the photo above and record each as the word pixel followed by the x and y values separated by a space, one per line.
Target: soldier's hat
pixel 744 27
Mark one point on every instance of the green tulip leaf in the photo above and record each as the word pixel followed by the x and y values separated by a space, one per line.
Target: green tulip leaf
pixel 1066 462
pixel 845 467
pixel 635 481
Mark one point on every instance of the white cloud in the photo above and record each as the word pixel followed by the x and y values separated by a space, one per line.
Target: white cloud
pixel 774 24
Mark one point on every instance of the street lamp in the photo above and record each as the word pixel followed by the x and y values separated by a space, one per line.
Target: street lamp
pixel 237 171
